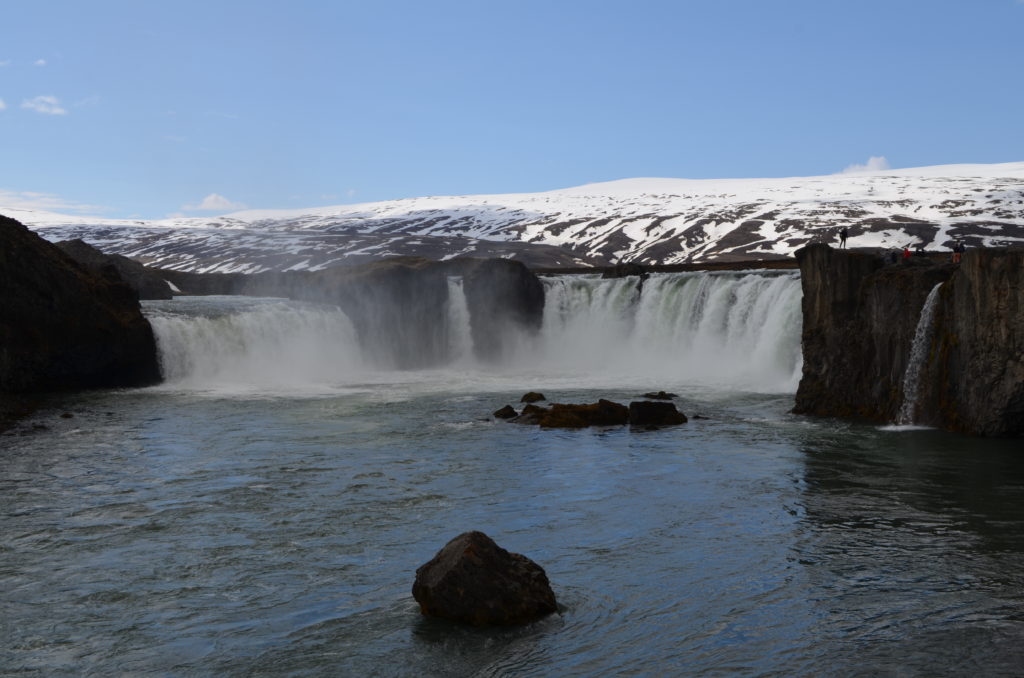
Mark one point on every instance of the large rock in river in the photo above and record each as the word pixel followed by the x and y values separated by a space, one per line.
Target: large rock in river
pixel 475 581
pixel 63 326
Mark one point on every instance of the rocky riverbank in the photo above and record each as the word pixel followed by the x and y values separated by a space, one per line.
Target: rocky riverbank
pixel 64 326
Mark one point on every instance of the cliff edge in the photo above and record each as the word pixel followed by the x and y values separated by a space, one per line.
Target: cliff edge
pixel 860 319
pixel 63 326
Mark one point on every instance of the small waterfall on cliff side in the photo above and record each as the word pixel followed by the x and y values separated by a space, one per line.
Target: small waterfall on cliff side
pixel 729 329
pixel 918 355
pixel 244 342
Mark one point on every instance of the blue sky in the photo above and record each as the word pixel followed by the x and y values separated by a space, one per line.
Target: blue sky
pixel 150 109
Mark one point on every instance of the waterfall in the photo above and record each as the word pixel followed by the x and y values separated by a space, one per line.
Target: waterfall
pixel 245 342
pixel 740 331
pixel 918 356
pixel 737 330
pixel 460 340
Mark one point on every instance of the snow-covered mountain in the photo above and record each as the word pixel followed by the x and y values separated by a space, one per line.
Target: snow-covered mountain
pixel 655 221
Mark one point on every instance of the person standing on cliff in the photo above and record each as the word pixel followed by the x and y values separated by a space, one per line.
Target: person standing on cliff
pixel 843 235
pixel 906 253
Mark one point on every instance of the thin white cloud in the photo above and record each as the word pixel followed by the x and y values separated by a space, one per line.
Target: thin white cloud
pixel 2 105
pixel 48 105
pixel 214 203
pixel 32 200
pixel 876 163
pixel 39 62
pixel 5 62
pixel 88 101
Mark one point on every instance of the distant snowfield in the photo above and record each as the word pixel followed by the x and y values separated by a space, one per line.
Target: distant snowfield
pixel 650 220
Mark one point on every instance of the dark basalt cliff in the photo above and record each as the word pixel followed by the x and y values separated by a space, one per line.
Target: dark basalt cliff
pixel 860 317
pixel 63 326
pixel 146 283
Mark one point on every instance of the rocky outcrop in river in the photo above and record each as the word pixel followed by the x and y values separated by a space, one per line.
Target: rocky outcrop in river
pixel 859 321
pixel 63 326
pixel 475 581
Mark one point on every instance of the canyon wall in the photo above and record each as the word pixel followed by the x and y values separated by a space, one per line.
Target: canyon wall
pixel 64 326
pixel 860 315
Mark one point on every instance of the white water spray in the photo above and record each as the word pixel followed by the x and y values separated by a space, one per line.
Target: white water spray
pixel 723 329
pixel 732 330
pixel 460 340
pixel 207 342
pixel 918 355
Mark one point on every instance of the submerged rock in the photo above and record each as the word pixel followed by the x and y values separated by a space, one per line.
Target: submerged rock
pixel 532 397
pixel 647 413
pixel 531 415
pixel 601 413
pixel 661 395
pixel 474 581
pixel 507 412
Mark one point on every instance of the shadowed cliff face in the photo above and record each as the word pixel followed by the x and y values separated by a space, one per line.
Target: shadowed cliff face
pixel 860 317
pixel 146 283
pixel 63 326
pixel 504 298
pixel 976 370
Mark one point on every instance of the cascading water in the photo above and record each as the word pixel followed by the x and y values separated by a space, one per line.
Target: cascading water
pixel 918 354
pixel 732 330
pixel 726 329
pixel 238 341
pixel 460 340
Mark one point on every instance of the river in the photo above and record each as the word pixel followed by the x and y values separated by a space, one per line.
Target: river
pixel 263 512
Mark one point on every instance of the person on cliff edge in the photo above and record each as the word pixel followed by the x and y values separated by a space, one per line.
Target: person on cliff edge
pixel 843 235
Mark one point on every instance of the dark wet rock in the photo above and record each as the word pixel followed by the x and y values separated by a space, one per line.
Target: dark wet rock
pixel 647 413
pixel 474 581
pixel 67 415
pixel 624 270
pixel 531 415
pixel 147 283
pixel 63 326
pixel 532 397
pixel 507 412
pixel 601 413
pixel 661 395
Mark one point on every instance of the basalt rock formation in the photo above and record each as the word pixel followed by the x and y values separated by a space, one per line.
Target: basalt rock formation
pixel 475 581
pixel 504 298
pixel 859 321
pixel 147 283
pixel 63 326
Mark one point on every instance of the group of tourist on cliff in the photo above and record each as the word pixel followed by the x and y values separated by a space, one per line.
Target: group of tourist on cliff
pixel 958 247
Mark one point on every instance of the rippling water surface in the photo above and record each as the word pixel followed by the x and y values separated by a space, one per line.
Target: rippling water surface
pixel 196 531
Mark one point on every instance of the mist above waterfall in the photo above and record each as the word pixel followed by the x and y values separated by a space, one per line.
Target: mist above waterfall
pixel 737 331
pixel 245 343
